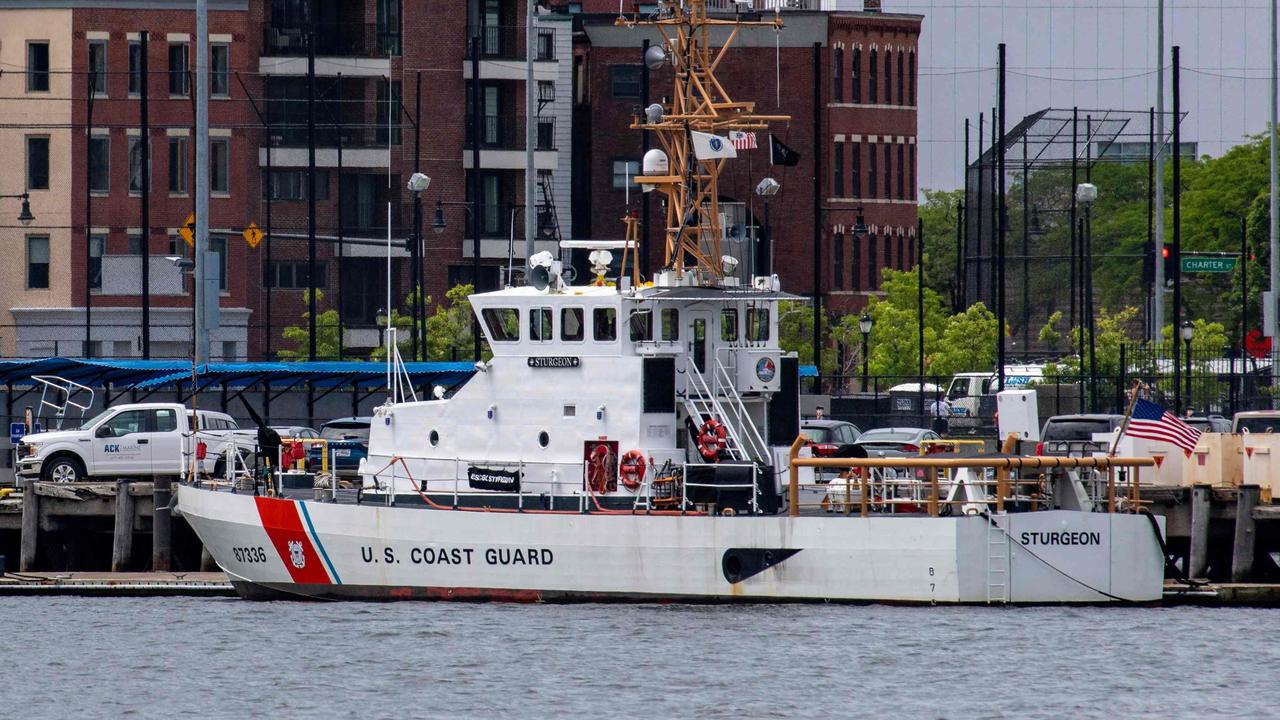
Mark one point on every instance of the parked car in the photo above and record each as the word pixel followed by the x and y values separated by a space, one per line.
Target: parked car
pixel 1256 421
pixel 1064 435
pixel 826 437
pixel 133 440
pixel 1209 423
pixel 895 441
pixel 348 444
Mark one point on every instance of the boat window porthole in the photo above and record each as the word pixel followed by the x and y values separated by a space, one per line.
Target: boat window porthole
pixel 544 439
pixel 435 438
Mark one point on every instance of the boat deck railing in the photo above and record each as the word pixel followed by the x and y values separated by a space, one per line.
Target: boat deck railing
pixel 947 484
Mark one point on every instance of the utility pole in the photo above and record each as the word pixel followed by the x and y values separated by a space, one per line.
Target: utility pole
pixel 1157 306
pixel 818 216
pixel 1177 234
pixel 311 186
pixel 530 131
pixel 202 183
pixel 144 143
pixel 1003 226
pixel 477 201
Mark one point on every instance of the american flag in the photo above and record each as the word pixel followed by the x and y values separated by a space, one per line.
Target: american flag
pixel 742 140
pixel 1153 422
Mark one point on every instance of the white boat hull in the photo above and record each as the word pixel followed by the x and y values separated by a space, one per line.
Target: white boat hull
pixel 274 547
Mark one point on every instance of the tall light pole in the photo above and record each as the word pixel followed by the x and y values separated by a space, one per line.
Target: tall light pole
pixel 865 323
pixel 1086 193
pixel 1157 306
pixel 1275 205
pixel 202 187
pixel 1188 331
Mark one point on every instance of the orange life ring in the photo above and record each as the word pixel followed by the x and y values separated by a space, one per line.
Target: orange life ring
pixel 631 469
pixel 712 438
pixel 599 468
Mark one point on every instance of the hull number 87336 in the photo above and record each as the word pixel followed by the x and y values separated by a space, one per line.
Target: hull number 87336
pixel 249 554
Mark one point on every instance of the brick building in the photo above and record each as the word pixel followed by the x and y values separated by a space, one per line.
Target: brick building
pixel 856 72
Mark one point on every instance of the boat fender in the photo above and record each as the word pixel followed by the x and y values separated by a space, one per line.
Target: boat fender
pixel 712 438
pixel 631 469
pixel 598 467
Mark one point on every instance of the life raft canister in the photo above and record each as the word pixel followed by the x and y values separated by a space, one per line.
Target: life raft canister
pixel 631 469
pixel 712 438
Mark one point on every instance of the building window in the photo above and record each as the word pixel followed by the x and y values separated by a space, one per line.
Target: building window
pixel 136 165
pixel 220 165
pixel 179 81
pixel 855 170
pixel 133 244
pixel 292 185
pixel 871 170
pixel 855 75
pixel 219 246
pixel 388 112
pixel 38 66
pixel 911 165
pixel 902 171
pixel 873 264
pixel 99 164
pixel 855 264
pixel 837 80
pixel 837 174
pixel 911 79
pixel 37 162
pixel 904 262
pixel 871 79
pixel 902 85
pixel 179 169
pixel 98 66
pixel 97 248
pixel 838 247
pixel 624 174
pixel 38 262
pixel 220 70
pixel 135 67
pixel 624 82
pixel 291 275
pixel 888 77
pixel 888 170
pixel 888 251
pixel 388 27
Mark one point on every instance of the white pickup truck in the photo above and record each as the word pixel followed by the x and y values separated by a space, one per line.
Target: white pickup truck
pixel 137 440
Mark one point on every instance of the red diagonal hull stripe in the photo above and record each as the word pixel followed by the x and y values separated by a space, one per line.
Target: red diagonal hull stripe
pixel 283 524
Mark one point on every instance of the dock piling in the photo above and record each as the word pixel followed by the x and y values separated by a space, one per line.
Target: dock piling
pixel 161 525
pixel 1246 536
pixel 30 527
pixel 1198 558
pixel 122 542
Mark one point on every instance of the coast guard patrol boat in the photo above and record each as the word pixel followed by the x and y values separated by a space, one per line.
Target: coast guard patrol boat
pixel 637 439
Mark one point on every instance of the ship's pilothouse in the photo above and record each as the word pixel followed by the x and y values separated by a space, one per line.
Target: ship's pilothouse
pixel 616 394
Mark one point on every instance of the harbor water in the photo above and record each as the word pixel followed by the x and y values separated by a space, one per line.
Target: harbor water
pixel 226 658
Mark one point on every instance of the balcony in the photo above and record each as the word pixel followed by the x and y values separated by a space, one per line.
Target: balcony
pixel 506 132
pixel 365 40
pixel 506 42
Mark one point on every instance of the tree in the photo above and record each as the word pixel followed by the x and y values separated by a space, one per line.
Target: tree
pixel 450 330
pixel 328 333
pixel 939 213
pixel 968 343
pixel 795 333
pixel 894 337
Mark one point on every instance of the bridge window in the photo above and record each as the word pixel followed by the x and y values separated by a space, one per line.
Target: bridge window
pixel 503 324
pixel 641 324
pixel 540 325
pixel 729 325
pixel 571 328
pixel 604 323
pixel 670 325
pixel 758 325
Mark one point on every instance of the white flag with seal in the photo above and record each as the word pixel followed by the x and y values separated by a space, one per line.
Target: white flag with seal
pixel 709 147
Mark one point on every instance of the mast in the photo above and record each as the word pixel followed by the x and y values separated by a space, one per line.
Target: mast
pixel 699 104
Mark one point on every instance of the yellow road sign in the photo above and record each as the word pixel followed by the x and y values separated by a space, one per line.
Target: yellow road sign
pixel 188 230
pixel 252 235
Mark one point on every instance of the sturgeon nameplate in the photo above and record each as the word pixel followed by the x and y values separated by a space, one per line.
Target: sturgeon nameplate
pixel 554 362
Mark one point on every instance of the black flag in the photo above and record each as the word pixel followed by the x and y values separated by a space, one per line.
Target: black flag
pixel 780 154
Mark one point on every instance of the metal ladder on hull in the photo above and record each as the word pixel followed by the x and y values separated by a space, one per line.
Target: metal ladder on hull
pixel 997 560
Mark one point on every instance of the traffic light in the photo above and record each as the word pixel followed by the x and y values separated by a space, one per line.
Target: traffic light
pixel 1170 267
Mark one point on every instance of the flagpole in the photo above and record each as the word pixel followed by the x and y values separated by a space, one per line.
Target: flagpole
pixel 1128 413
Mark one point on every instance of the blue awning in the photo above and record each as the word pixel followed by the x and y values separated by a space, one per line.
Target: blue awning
pixel 149 374
pixel 808 371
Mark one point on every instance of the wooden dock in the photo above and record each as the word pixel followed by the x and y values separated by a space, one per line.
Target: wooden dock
pixel 108 584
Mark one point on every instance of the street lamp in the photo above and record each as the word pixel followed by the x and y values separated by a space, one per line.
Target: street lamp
pixel 865 323
pixel 1086 194
pixel 767 188
pixel 418 183
pixel 24 215
pixel 1188 331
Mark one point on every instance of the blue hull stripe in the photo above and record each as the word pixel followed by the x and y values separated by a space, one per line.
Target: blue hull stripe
pixel 319 545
